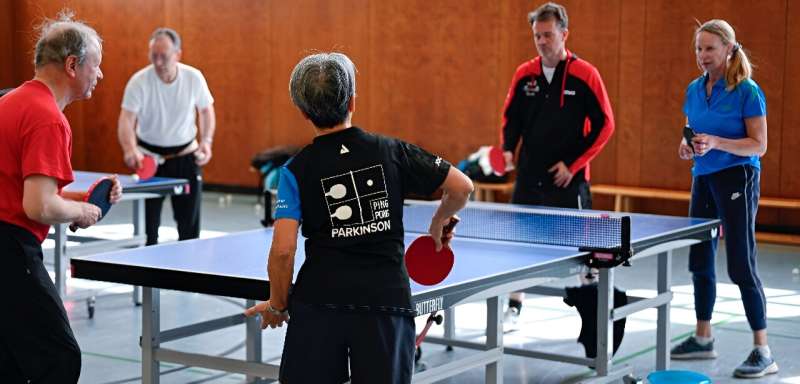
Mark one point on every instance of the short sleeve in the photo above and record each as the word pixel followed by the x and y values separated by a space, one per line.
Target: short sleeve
pixel 423 172
pixel 46 151
pixel 132 99
pixel 202 93
pixel 287 205
pixel 687 99
pixel 754 103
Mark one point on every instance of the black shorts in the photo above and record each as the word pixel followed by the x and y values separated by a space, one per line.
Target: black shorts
pixel 320 342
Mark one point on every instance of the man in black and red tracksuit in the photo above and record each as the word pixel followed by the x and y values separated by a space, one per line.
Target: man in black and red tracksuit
pixel 557 104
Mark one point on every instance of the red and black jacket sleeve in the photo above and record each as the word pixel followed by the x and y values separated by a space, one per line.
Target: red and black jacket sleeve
pixel 599 123
pixel 514 111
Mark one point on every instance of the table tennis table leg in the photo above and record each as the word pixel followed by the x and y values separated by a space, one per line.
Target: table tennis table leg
pixel 151 335
pixel 138 230
pixel 450 325
pixel 253 341
pixel 662 332
pixel 494 338
pixel 60 258
pixel 605 302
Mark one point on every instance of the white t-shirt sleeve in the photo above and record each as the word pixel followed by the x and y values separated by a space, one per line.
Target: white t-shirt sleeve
pixel 133 98
pixel 202 93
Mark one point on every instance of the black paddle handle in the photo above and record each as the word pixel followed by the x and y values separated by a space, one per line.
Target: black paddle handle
pixel 450 225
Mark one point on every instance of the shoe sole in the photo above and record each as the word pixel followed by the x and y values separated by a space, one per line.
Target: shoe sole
pixel 770 369
pixel 695 356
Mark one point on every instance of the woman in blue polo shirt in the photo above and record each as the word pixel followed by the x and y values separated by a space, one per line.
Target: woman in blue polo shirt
pixel 728 113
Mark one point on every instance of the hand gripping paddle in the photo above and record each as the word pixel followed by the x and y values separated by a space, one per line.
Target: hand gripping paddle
pixel 99 194
pixel 148 168
pixel 424 264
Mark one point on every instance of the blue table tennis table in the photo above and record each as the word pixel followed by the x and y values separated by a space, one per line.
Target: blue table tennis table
pixel 133 190
pixel 488 265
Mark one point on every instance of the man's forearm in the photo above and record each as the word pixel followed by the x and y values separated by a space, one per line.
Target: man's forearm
pixel 54 210
pixel 207 125
pixel 126 133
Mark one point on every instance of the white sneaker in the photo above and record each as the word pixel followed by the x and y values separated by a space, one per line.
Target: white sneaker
pixel 511 320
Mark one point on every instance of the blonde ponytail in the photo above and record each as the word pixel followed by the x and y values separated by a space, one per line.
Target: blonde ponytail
pixel 739 68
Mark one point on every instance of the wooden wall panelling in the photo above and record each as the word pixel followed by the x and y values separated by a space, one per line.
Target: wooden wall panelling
pixel 789 141
pixel 629 102
pixel 668 69
pixel 305 27
pixel 403 81
pixel 435 74
pixel 595 37
pixel 448 96
pixel 24 38
pixel 515 47
pixel 90 119
pixel 235 56
pixel 7 50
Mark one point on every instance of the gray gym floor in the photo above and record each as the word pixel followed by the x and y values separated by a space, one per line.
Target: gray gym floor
pixel 111 352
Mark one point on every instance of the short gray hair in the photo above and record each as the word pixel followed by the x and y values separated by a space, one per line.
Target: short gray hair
pixel 64 37
pixel 322 86
pixel 170 33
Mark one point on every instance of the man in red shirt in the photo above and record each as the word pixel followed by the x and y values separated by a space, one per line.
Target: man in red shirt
pixel 36 341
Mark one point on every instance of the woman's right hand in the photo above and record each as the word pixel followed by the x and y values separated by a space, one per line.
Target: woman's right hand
pixel 684 151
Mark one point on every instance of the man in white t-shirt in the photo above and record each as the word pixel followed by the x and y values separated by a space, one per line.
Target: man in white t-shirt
pixel 165 106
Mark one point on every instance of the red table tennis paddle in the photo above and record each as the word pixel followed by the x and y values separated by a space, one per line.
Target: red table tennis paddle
pixel 424 264
pixel 148 168
pixel 497 161
pixel 99 194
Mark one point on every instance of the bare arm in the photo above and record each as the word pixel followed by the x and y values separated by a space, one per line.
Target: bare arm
pixel 281 262
pixel 457 188
pixel 127 139
pixel 280 269
pixel 206 124
pixel 42 203
pixel 755 144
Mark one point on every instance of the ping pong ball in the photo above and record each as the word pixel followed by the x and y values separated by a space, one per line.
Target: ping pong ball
pixel 135 177
pixel 369 182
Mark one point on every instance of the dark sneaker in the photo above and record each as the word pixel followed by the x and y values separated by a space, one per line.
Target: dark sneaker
pixel 756 365
pixel 690 349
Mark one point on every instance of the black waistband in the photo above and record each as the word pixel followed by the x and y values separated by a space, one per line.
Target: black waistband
pixel 163 150
pixel 23 235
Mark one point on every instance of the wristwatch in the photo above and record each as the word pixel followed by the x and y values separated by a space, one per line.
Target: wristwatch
pixel 276 312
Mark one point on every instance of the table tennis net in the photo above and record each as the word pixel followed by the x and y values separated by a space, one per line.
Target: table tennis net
pixel 529 225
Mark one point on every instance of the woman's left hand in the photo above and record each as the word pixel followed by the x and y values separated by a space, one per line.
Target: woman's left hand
pixel 704 143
